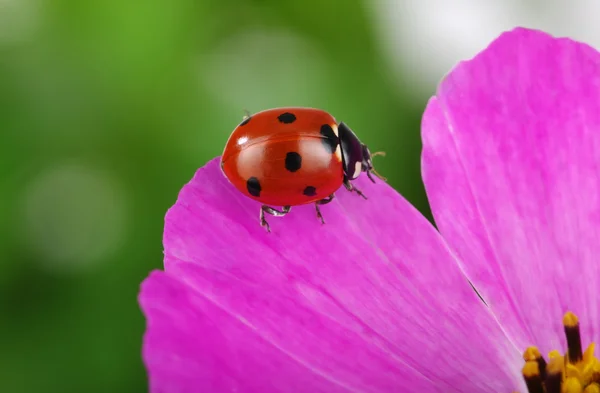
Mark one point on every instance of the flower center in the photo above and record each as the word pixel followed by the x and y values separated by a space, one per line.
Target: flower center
pixel 573 372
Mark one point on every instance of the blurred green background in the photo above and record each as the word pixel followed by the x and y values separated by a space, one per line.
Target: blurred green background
pixel 107 108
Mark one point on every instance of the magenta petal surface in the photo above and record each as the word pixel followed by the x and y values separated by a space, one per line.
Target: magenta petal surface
pixel 511 164
pixel 371 302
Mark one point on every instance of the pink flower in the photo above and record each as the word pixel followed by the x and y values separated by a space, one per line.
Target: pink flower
pixel 376 300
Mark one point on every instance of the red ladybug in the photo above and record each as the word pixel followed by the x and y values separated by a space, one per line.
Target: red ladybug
pixel 294 156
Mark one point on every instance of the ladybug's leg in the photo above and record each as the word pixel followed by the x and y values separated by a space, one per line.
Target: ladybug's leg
pixel 370 176
pixel 352 188
pixel 272 211
pixel 323 201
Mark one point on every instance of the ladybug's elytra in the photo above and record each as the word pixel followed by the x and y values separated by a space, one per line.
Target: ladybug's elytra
pixel 294 156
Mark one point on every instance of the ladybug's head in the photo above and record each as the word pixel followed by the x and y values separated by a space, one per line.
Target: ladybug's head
pixel 356 157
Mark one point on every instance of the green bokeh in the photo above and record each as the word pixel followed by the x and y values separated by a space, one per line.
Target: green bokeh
pixel 106 109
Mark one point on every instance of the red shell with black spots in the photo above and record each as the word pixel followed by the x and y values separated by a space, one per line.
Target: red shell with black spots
pixel 285 156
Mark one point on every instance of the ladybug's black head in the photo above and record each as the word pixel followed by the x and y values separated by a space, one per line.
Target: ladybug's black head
pixel 356 157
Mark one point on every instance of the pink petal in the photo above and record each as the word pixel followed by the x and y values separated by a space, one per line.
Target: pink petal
pixel 370 302
pixel 510 163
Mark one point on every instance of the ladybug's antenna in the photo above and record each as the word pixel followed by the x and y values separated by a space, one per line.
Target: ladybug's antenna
pixel 246 114
pixel 378 153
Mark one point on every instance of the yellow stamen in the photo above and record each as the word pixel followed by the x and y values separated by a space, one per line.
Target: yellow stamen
pixel 570 319
pixel 554 376
pixel 531 353
pixel 531 369
pixel 533 379
pixel 574 372
pixel 592 388
pixel 572 385
pixel 571 324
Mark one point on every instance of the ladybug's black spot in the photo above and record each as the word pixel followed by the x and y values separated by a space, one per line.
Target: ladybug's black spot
pixel 310 191
pixel 287 118
pixel 293 161
pixel 331 140
pixel 253 186
pixel 245 121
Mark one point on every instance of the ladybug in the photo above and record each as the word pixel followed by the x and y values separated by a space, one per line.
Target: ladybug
pixel 294 156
